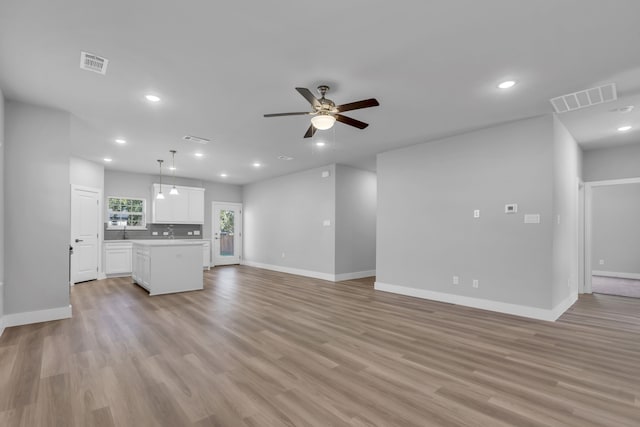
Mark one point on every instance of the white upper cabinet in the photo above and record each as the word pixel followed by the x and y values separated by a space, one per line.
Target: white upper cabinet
pixel 196 205
pixel 187 207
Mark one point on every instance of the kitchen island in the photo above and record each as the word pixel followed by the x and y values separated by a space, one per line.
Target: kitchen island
pixel 168 266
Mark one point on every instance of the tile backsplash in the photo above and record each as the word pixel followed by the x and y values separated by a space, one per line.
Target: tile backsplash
pixel 179 231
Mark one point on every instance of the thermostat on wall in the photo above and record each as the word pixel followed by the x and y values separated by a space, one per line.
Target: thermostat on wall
pixel 511 208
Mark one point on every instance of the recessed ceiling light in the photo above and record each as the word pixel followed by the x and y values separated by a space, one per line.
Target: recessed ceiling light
pixel 107 159
pixel 624 128
pixel 198 154
pixel 224 175
pixel 121 141
pixel 320 144
pixel 256 165
pixel 507 84
pixel 152 98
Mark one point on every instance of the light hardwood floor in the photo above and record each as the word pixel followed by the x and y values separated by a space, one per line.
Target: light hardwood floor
pixel 259 348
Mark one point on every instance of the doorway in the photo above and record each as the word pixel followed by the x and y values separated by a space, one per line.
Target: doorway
pixel 85 233
pixel 612 237
pixel 226 228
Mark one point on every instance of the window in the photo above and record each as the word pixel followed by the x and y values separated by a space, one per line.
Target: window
pixel 126 212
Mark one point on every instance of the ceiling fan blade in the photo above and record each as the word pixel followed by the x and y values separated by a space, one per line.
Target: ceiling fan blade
pixel 310 132
pixel 365 103
pixel 287 114
pixel 351 122
pixel 308 96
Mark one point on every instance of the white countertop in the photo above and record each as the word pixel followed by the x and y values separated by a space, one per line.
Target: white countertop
pixel 168 242
pixel 199 241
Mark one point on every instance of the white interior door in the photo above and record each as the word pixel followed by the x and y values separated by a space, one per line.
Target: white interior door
pixel 85 223
pixel 227 233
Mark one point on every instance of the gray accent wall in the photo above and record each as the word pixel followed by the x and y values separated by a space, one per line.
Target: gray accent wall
pixel 426 232
pixel 612 163
pixel 285 215
pixel 616 228
pixel 37 208
pixel 127 184
pixel 567 171
pixel 356 204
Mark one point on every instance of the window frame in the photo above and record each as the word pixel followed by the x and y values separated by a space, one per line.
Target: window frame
pixel 129 227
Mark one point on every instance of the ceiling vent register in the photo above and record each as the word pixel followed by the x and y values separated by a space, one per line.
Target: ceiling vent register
pixel 95 63
pixel 585 98
pixel 196 139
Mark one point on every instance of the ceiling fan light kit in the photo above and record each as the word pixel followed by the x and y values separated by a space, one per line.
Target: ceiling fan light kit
pixel 325 112
pixel 323 121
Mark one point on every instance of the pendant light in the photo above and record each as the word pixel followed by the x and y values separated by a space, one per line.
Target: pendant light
pixel 160 196
pixel 174 190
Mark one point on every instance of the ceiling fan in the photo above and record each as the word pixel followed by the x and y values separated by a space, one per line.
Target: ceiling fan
pixel 325 112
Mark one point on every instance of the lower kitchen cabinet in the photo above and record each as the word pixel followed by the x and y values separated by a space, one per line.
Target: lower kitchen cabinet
pixel 117 258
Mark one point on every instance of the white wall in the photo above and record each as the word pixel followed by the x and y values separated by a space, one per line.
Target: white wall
pixel 356 204
pixel 2 172
pixel 426 232
pixel 567 170
pixel 86 173
pixel 126 184
pixel 616 229
pixel 285 215
pixel 37 212
pixel 612 163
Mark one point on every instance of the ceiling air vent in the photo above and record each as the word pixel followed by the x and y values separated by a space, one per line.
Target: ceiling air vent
pixel 585 98
pixel 196 139
pixel 95 63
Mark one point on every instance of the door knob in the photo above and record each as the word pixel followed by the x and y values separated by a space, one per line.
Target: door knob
pixel 79 240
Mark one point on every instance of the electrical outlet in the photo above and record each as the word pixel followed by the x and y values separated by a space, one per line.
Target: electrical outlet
pixel 196 232
pixel 476 283
pixel 456 280
pixel 476 213
pixel 165 233
pixel 189 233
pixel 601 262
pixel 154 233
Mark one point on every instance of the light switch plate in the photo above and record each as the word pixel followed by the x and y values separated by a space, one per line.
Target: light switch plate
pixel 189 233
pixel 154 233
pixel 326 223
pixel 165 233
pixel 476 213
pixel 511 208
pixel 326 174
pixel 196 232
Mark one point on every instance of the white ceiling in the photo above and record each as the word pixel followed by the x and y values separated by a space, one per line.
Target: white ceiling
pixel 219 66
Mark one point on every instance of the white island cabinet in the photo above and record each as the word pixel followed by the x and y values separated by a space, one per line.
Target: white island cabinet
pixel 168 266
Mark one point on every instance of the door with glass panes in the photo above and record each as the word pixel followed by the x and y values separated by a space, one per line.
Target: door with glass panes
pixel 227 233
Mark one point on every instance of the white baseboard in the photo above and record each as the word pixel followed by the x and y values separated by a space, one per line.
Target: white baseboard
pixel 354 275
pixel 26 318
pixel 564 305
pixel 484 304
pixel 297 271
pixel 619 275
